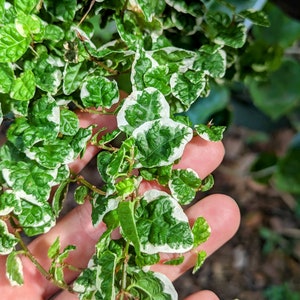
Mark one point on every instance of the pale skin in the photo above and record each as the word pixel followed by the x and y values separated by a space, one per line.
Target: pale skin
pixel 220 211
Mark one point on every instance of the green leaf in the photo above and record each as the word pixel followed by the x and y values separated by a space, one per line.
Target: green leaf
pixel 145 259
pixel 54 248
pixel 152 286
pixel 79 141
pixel 160 142
pixel 51 155
pixel 23 87
pixel 142 62
pixel 9 202
pixel 223 32
pixel 1 114
pixel 54 33
pixel 14 269
pixel 29 25
pixel 12 44
pixel 140 107
pixel 59 197
pixel 116 163
pixel 48 74
pixel 211 60
pixel 188 86
pixel 234 36
pixel 152 8
pixel 29 181
pixel 284 30
pixel 267 95
pixel 25 6
pixel 72 77
pixel 201 231
pixel 162 225
pixel 128 224
pixel 201 256
pixel 81 194
pixel 287 175
pixel 99 92
pixel 207 183
pixel 36 219
pixel 98 280
pixel 103 205
pixel 256 17
pixel 210 132
pixel 194 8
pixel 158 77
pixel 63 10
pixel 69 123
pixel 126 186
pixel 2 9
pixel 184 184
pixel 7 240
pixel 110 137
pixel 161 174
pixel 6 77
pixel 175 261
pixel 103 160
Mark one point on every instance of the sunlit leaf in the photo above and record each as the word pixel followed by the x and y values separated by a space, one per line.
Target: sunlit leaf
pixel 69 123
pixel 6 77
pixel 12 44
pixel 161 224
pixel 256 17
pixel 72 77
pixel 7 240
pixel 14 269
pixel 36 219
pixel 25 6
pixel 149 285
pixel 201 256
pixel 99 92
pixel 184 184
pixel 201 231
pixel 160 142
pixel 210 132
pixel 128 224
pixel 23 87
pixel 140 107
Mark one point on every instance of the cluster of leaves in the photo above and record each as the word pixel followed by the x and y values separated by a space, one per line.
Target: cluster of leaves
pixel 52 60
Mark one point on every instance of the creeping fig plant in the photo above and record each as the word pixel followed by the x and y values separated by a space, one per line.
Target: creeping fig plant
pixel 59 57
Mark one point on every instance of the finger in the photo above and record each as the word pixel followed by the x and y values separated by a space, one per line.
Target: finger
pixel 203 295
pixel 223 216
pixel 202 156
pixel 220 211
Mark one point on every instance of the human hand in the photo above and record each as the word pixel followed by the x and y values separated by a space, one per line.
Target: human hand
pixel 220 211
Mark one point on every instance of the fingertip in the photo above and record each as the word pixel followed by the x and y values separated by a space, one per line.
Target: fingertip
pixel 202 156
pixel 203 295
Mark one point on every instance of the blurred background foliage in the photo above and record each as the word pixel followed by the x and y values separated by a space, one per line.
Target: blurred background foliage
pixel 263 94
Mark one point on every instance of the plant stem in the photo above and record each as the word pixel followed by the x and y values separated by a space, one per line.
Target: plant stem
pixel 89 185
pixel 124 272
pixel 40 268
pixel 28 254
